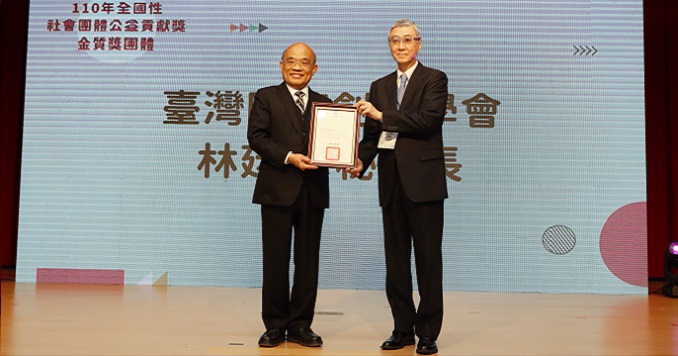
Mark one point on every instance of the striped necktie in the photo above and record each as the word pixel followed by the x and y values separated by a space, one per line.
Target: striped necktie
pixel 300 101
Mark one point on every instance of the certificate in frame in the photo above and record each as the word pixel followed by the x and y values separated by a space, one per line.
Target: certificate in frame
pixel 333 135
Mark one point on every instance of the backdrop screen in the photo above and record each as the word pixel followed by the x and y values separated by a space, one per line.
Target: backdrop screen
pixel 136 167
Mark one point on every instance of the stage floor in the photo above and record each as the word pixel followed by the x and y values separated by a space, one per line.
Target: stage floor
pixel 52 319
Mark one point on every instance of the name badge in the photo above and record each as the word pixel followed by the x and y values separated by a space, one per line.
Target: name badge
pixel 387 140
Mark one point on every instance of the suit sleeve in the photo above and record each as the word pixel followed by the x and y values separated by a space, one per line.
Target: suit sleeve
pixel 431 112
pixel 259 132
pixel 367 150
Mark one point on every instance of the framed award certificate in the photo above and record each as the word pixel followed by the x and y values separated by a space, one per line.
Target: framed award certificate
pixel 333 135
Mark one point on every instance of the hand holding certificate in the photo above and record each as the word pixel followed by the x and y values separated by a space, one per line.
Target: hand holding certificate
pixel 333 138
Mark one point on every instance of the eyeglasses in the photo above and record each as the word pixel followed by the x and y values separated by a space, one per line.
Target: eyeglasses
pixel 291 62
pixel 407 41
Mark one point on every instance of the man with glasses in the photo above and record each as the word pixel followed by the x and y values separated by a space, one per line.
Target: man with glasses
pixel 405 115
pixel 293 195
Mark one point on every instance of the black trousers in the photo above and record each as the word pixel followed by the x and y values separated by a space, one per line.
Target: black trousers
pixel 420 224
pixel 280 309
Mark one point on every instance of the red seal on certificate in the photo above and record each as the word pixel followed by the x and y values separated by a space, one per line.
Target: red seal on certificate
pixel 332 153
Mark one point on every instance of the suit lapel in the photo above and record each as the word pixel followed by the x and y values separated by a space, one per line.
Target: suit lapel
pixel 413 83
pixel 291 108
pixel 392 90
pixel 312 97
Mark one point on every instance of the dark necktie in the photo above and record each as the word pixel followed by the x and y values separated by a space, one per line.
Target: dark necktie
pixel 300 101
pixel 401 88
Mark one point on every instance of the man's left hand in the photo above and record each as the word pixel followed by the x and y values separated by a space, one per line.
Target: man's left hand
pixel 355 171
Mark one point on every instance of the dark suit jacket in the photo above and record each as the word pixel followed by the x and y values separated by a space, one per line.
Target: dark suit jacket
pixel 419 148
pixel 274 129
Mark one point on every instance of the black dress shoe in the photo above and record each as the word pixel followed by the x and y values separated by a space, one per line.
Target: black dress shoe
pixel 272 338
pixel 427 346
pixel 305 337
pixel 397 341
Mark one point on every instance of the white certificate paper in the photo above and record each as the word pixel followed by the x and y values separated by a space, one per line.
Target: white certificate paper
pixel 333 138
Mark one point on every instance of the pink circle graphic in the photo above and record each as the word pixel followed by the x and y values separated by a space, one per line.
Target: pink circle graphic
pixel 623 244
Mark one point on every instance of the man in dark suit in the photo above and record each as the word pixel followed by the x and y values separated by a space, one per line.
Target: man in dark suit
pixel 293 195
pixel 404 122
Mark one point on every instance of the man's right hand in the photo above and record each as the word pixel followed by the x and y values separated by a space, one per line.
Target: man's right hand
pixel 300 161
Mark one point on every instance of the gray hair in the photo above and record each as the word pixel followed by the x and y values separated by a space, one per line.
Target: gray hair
pixel 406 23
